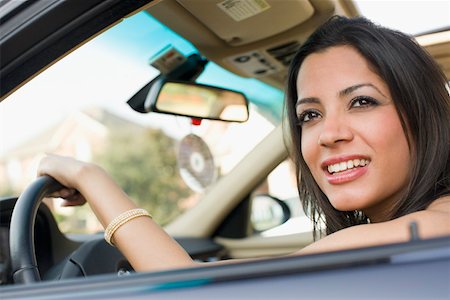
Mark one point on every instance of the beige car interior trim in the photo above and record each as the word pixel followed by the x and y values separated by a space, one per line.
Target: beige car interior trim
pixel 438 45
pixel 222 17
pixel 175 16
pixel 261 246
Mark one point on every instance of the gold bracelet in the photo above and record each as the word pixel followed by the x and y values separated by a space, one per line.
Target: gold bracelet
pixel 122 219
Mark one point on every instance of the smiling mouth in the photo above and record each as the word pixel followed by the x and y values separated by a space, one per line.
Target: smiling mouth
pixel 347 165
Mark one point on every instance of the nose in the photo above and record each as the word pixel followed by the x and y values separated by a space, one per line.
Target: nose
pixel 335 129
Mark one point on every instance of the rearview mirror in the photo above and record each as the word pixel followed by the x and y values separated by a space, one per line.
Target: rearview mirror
pixel 197 101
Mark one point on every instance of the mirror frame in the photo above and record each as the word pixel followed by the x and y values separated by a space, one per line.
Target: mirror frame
pixel 159 82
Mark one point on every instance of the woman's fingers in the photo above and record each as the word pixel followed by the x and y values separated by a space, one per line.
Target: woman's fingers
pixel 71 197
pixel 62 193
pixel 66 171
pixel 74 201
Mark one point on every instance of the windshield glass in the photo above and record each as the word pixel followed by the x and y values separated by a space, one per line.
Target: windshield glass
pixel 77 107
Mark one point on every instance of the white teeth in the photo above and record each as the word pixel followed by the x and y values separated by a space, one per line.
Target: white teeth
pixel 342 166
pixel 350 164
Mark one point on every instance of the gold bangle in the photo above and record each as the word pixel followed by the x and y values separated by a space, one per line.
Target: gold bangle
pixel 122 219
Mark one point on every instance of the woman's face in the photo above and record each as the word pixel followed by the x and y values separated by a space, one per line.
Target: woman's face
pixel 352 139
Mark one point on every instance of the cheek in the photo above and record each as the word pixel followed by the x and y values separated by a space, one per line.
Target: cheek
pixel 387 132
pixel 310 149
pixel 391 150
pixel 394 143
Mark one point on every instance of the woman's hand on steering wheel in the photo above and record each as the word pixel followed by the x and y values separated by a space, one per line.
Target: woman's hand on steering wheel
pixel 66 171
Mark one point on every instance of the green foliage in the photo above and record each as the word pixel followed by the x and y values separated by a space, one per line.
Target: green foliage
pixel 143 162
pixel 77 222
pixel 8 191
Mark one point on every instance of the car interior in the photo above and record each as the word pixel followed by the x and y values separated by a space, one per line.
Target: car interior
pixel 240 37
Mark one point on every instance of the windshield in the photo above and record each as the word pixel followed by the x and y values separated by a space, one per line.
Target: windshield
pixel 77 107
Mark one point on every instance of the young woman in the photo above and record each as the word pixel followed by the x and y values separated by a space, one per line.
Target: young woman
pixel 369 115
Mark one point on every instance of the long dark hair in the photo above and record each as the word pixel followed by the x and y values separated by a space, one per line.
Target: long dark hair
pixel 419 91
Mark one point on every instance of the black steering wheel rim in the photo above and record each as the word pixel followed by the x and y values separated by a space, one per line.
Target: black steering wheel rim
pixel 21 236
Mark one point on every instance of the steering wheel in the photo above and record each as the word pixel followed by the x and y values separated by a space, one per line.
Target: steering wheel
pixel 94 256
pixel 21 236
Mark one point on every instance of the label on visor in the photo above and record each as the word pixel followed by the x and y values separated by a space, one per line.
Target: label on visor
pixel 240 10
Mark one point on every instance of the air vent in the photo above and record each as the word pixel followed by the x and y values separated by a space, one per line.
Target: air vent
pixel 254 63
pixel 285 53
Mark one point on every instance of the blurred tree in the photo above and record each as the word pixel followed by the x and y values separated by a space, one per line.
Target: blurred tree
pixel 144 164
pixel 7 191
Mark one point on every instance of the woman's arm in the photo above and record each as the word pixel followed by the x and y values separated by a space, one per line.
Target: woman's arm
pixel 432 222
pixel 149 248
pixel 143 242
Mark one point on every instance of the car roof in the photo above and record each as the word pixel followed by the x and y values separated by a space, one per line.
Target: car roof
pixel 50 29
pixel 224 40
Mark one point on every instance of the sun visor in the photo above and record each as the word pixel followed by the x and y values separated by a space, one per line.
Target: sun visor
pixel 239 22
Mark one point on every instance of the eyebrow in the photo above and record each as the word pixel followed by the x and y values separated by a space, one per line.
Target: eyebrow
pixel 353 88
pixel 309 100
pixel 344 92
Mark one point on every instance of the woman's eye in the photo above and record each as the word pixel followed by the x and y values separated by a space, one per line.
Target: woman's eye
pixel 307 116
pixel 363 101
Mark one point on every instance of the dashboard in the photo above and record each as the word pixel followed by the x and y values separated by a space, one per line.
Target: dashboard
pixel 4 254
pixel 58 256
pixel 51 245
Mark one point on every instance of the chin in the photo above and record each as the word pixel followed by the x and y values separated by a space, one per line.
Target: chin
pixel 347 203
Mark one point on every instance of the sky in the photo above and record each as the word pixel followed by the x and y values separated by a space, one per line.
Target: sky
pixel 409 16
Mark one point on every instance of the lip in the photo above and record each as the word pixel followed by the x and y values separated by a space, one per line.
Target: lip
pixel 347 175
